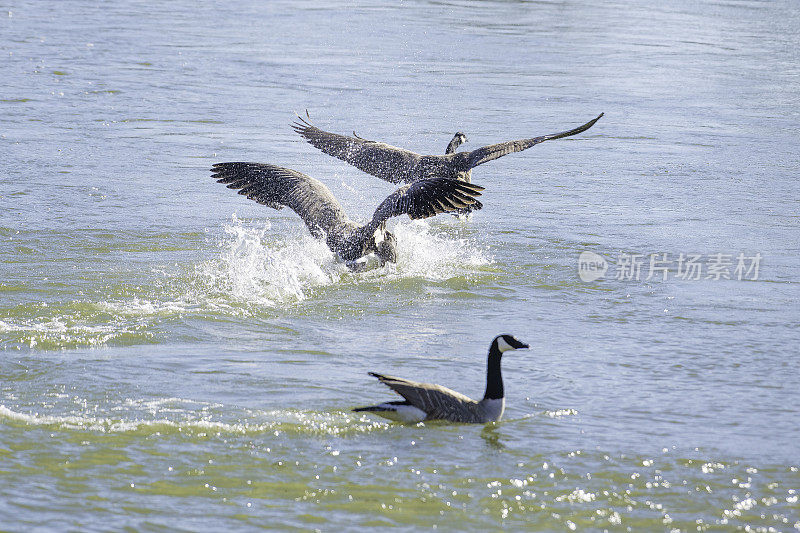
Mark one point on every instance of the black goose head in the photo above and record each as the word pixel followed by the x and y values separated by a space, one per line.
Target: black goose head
pixel 504 343
pixel 458 139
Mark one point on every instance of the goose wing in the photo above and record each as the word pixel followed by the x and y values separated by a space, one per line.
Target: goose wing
pixel 277 187
pixel 437 401
pixel 493 151
pixel 426 198
pixel 387 162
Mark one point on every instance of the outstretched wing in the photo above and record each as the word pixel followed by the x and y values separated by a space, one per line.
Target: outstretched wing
pixel 277 187
pixel 437 401
pixel 426 198
pixel 493 151
pixel 390 163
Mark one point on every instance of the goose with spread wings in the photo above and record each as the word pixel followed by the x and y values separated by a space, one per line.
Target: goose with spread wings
pixel 427 401
pixel 398 165
pixel 279 187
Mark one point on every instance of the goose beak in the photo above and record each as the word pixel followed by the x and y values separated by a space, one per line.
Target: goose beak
pixel 518 345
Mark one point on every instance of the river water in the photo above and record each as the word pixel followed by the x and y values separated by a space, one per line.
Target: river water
pixel 175 357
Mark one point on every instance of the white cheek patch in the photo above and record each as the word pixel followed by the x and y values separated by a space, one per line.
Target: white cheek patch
pixel 378 236
pixel 503 346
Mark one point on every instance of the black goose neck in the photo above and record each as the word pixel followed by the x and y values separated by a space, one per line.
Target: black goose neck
pixel 494 376
pixel 452 146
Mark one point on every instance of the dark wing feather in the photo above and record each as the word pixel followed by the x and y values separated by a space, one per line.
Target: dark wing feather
pixel 277 187
pixel 437 401
pixel 390 163
pixel 426 198
pixel 493 151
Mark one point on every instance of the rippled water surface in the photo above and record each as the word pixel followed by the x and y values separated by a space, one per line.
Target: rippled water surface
pixel 174 357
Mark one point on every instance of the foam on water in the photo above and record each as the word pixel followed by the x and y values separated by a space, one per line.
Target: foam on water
pixel 143 307
pixel 166 416
pixel 67 331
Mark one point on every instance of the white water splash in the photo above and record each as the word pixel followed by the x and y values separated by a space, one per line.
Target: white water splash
pixel 266 272
pixel 424 252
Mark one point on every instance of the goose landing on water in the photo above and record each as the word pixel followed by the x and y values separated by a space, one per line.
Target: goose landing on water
pixel 277 187
pixel 398 165
pixel 426 401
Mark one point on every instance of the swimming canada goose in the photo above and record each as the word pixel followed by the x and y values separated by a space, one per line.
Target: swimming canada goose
pixel 277 187
pixel 426 401
pixel 397 165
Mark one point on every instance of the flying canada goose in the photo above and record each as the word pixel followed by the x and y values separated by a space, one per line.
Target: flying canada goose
pixel 426 401
pixel 397 165
pixel 277 187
